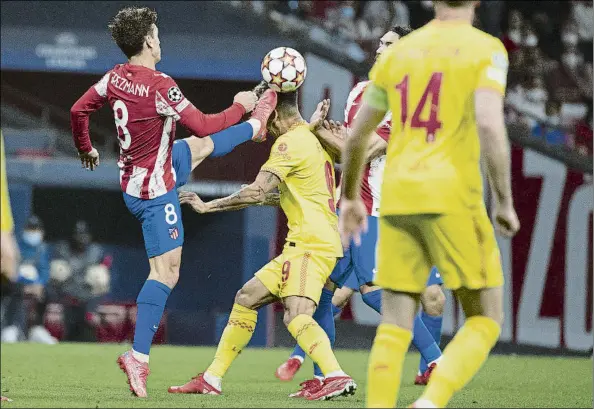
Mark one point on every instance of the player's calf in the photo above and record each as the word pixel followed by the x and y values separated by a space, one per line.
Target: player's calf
pixel 235 337
pixel 165 267
pixel 314 341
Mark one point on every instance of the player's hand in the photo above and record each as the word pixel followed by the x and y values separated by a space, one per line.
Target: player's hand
pixel 352 221
pixel 193 200
pixel 337 128
pixel 319 116
pixel 506 220
pixel 89 160
pixel 248 99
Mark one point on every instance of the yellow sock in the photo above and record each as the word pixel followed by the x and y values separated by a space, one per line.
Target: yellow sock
pixel 462 359
pixel 314 341
pixel 385 365
pixel 237 334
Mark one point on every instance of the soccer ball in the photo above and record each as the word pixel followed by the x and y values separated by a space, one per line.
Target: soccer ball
pixel 284 69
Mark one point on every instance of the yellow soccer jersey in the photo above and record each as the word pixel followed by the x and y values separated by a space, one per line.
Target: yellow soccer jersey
pixel 307 190
pixel 7 223
pixel 428 80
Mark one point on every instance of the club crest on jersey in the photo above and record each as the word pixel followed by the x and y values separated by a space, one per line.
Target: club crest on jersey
pixel 173 233
pixel 174 94
pixel 282 147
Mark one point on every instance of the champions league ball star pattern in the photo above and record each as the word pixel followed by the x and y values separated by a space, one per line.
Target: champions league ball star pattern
pixel 284 69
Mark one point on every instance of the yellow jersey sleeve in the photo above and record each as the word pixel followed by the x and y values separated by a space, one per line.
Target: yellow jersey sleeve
pixel 285 155
pixel 493 67
pixel 6 212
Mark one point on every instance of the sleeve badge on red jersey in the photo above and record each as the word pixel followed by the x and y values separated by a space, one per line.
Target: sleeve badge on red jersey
pixel 174 94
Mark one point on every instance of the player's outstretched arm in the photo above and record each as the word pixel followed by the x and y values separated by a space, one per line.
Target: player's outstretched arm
pixel 271 199
pixel 202 125
pixel 496 156
pixel 250 195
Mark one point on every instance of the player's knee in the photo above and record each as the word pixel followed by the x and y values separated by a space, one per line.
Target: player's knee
pixel 433 300
pixel 244 298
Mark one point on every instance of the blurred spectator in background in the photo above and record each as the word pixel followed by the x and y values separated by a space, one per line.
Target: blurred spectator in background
pixel 582 139
pixel 548 130
pixel 80 278
pixel 582 14
pixel 374 21
pixel 536 63
pixel 400 13
pixel 512 39
pixel 526 102
pixel 570 83
pixel 517 68
pixel 34 272
pixel 340 20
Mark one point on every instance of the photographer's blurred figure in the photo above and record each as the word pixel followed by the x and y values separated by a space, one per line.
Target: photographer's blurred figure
pixel 80 277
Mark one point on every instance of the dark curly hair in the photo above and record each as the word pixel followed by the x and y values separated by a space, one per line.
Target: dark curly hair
pixel 130 27
pixel 401 30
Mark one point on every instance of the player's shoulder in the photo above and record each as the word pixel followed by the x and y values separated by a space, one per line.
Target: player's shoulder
pixel 486 42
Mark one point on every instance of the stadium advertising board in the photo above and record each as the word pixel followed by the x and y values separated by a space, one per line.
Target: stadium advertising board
pixel 548 265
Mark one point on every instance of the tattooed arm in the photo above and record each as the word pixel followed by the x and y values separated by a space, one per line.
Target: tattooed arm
pixel 272 198
pixel 255 194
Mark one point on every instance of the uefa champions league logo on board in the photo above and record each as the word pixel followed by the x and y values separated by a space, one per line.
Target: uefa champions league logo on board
pixel 65 52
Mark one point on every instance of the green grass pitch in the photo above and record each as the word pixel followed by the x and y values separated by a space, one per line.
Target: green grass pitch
pixel 86 375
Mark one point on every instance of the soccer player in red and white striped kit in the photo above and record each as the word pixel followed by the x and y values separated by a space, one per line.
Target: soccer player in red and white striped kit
pixel 147 104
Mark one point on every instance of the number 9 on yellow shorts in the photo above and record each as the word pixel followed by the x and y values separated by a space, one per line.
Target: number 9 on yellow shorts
pixel 297 272
pixel 462 247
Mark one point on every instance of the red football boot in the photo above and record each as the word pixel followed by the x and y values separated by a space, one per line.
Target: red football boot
pixel 136 371
pixel 196 385
pixel 286 372
pixel 333 387
pixel 264 108
pixel 307 388
pixel 5 399
pixel 423 379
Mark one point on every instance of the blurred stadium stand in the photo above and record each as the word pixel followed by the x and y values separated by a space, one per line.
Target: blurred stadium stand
pixel 50 56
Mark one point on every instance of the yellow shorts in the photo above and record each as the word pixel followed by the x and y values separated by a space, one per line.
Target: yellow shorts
pixel 462 247
pixel 297 272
